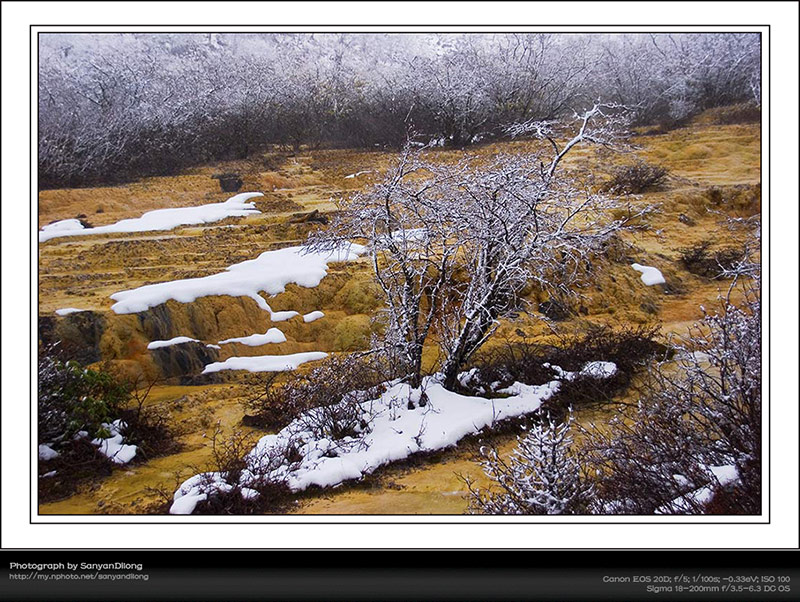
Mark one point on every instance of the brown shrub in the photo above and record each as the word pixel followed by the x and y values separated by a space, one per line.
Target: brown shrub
pixel 699 260
pixel 629 347
pixel 637 178
pixel 337 384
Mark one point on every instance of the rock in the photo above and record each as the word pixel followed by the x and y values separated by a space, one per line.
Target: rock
pixel 315 217
pixel 229 182
pixel 77 334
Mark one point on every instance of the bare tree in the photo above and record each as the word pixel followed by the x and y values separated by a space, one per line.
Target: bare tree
pixel 124 105
pixel 521 220
pixel 452 246
pixel 407 221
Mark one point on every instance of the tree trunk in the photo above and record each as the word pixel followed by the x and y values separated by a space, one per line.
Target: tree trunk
pixel 469 342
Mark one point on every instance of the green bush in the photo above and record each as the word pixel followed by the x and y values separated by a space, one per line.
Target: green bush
pixel 73 399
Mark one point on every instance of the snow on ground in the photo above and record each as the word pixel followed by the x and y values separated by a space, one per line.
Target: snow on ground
pixel 312 316
pixel 170 342
pixel 265 363
pixel 160 219
pixel 65 311
pixel 113 447
pixel 724 475
pixel 269 272
pixel 282 316
pixel 212 346
pixel 273 335
pixel 62 228
pixel 394 433
pixel 650 275
pixel 599 370
pixel 358 173
pixel 47 453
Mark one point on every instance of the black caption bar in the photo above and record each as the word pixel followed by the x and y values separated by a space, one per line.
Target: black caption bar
pixel 393 575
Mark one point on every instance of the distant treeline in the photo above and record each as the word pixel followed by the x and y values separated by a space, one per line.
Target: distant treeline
pixel 114 107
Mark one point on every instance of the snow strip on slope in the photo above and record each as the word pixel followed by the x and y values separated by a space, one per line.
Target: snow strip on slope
pixel 650 275
pixel 355 175
pixel 312 316
pixel 282 316
pixel 395 433
pixel 273 335
pixel 160 219
pixel 65 311
pixel 269 272
pixel 265 363
pixel 170 342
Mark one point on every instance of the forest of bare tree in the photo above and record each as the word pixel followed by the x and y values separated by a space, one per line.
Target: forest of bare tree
pixel 114 107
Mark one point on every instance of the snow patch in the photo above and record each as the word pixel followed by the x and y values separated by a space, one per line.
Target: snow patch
pixel 61 227
pixel 269 272
pixel 160 219
pixel 282 316
pixel 724 475
pixel 358 173
pixel 650 275
pixel 597 370
pixel 113 447
pixel 265 363
pixel 69 310
pixel 170 342
pixel 187 503
pixel 312 316
pixel 47 453
pixel 273 335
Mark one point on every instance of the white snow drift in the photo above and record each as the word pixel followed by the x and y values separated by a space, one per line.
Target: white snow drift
pixel 265 363
pixel 65 311
pixel 650 275
pixel 312 316
pixel 113 447
pixel 393 432
pixel 273 335
pixel 269 272
pixel 723 475
pixel 47 453
pixel 160 219
pixel 170 342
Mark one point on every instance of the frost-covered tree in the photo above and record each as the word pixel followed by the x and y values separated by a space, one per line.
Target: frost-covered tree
pixel 669 77
pixel 123 105
pixel 523 220
pixel 541 476
pixel 407 220
pixel 453 245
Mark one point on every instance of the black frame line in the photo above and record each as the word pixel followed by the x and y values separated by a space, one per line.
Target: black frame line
pixel 359 29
